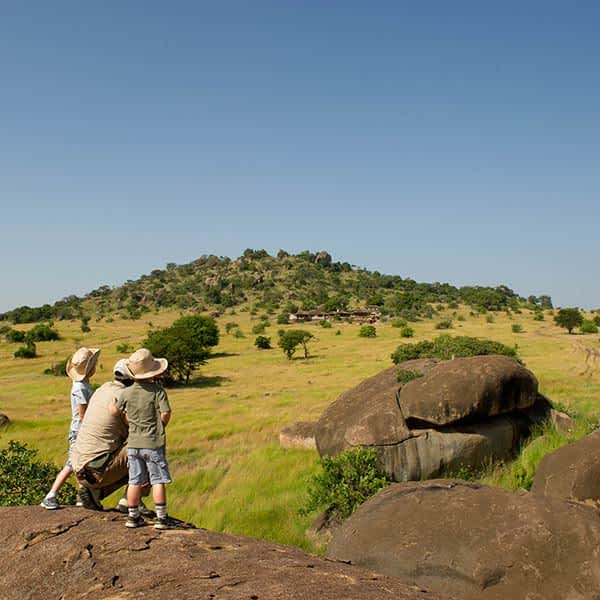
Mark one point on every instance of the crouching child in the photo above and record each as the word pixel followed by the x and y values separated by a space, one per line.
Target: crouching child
pixel 145 405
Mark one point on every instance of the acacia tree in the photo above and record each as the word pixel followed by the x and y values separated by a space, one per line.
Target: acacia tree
pixel 290 340
pixel 569 318
pixel 185 344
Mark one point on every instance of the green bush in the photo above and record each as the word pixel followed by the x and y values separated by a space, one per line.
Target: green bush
pixel 346 482
pixel 538 316
pixel 597 320
pixel 446 347
pixel 24 479
pixel 517 328
pixel 259 327
pixel 14 336
pixel 262 342
pixel 406 375
pixel 588 326
pixel 27 351
pixel 290 340
pixel 367 331
pixel 460 318
pixel 124 348
pixel 407 332
pixel 446 324
pixel 282 318
pixel 57 369
pixel 325 324
pixel 399 323
pixel 230 326
pixel 42 332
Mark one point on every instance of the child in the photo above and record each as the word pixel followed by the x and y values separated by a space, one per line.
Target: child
pixel 146 407
pixel 80 367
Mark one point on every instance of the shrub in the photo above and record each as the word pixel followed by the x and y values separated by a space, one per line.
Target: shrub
pixel 238 333
pixel 399 323
pixel 124 348
pixel 42 332
pixel 538 316
pixel 489 318
pixel 407 332
pixel 597 320
pixel 588 326
pixel 446 347
pixel 27 351
pixel 57 369
pixel 460 318
pixel 346 482
pixel 406 375
pixel 85 327
pixel 24 479
pixel 325 324
pixel 453 304
pixel 446 324
pixel 230 326
pixel 282 319
pixel 14 336
pixel 338 332
pixel 259 327
pixel 262 342
pixel 367 331
pixel 517 328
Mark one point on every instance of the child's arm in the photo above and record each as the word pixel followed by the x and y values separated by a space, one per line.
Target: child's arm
pixel 81 408
pixel 165 417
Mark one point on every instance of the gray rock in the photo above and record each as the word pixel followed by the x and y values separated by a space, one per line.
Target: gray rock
pixel 571 472
pixel 471 388
pixel 476 542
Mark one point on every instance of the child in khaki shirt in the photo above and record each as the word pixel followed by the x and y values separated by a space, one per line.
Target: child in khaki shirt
pixel 146 407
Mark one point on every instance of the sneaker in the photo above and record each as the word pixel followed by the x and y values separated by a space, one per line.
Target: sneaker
pixel 50 503
pixel 165 523
pixel 89 498
pixel 133 522
pixel 122 507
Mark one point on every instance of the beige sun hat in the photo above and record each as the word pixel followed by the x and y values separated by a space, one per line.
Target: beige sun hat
pixel 83 363
pixel 142 365
pixel 121 371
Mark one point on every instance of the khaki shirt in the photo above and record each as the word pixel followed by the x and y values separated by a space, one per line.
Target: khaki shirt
pixel 99 432
pixel 143 402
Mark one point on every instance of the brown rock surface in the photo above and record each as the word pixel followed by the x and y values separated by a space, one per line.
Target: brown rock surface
pixel 476 542
pixel 74 553
pixel 473 388
pixel 571 472
pixel 366 415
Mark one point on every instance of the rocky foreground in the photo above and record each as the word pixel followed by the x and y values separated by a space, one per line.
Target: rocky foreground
pixel 75 553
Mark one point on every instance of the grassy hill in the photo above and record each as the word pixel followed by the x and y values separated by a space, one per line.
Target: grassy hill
pixel 229 472
pixel 274 283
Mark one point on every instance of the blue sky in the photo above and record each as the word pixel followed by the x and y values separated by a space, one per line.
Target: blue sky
pixel 445 141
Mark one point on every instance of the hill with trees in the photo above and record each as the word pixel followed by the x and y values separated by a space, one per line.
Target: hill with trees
pixel 283 283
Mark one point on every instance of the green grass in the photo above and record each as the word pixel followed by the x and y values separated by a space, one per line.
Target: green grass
pixel 229 472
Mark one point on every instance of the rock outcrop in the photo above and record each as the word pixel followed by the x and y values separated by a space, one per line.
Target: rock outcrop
pixel 74 553
pixel 459 414
pixel 572 472
pixel 476 542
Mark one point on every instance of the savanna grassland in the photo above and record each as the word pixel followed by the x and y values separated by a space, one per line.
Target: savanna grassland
pixel 229 473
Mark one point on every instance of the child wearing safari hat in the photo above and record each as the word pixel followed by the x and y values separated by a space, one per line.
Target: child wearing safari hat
pixel 146 407
pixel 80 367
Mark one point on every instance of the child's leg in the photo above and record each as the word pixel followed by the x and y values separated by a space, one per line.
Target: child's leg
pixel 134 493
pixel 62 476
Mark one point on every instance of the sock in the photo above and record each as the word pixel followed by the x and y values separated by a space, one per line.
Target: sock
pixel 134 512
pixel 161 511
pixel 50 494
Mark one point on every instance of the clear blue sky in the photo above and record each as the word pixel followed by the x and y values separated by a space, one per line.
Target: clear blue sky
pixel 445 141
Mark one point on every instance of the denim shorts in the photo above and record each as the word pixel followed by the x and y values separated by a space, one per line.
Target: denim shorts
pixel 147 465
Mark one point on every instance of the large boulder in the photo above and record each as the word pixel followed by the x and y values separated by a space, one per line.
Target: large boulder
pixel 572 472
pixel 476 542
pixel 491 401
pixel 472 388
pixel 368 414
pixel 74 553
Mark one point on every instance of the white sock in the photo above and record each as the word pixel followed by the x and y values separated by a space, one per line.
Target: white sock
pixel 50 494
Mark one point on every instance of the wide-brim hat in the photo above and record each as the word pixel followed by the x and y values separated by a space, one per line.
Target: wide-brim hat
pixel 83 363
pixel 142 365
pixel 121 370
